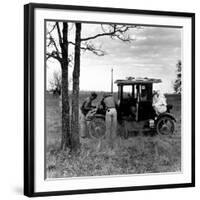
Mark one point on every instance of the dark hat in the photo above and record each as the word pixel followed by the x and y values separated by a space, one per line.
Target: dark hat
pixel 93 94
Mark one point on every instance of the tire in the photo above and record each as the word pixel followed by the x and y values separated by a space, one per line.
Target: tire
pixel 165 126
pixel 97 128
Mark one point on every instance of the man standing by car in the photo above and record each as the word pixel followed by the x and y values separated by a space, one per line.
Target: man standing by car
pixel 159 103
pixel 109 105
pixel 86 109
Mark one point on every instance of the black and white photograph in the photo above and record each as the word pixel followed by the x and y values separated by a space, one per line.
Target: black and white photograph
pixel 113 99
pixel 99 100
pixel 109 101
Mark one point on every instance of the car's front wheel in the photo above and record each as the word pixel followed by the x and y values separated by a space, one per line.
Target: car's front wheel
pixel 165 126
pixel 97 128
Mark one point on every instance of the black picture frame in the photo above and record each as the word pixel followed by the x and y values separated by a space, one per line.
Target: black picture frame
pixel 29 95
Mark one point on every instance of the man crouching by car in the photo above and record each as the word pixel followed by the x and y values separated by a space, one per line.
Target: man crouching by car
pixel 86 110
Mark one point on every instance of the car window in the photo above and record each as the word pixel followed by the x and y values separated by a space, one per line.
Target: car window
pixel 127 91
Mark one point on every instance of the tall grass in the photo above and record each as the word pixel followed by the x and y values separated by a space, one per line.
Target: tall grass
pixel 142 154
pixel 136 155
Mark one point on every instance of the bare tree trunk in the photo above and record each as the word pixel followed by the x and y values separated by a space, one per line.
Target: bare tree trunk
pixel 65 141
pixel 75 92
pixel 72 126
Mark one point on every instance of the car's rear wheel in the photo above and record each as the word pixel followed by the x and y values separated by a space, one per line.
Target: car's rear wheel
pixel 165 126
pixel 97 128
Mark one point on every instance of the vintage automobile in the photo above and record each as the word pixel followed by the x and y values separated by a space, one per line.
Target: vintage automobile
pixel 135 98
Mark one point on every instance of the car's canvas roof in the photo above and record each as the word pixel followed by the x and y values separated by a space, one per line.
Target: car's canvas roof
pixel 132 80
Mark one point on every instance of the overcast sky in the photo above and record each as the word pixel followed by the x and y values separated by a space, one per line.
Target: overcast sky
pixel 153 53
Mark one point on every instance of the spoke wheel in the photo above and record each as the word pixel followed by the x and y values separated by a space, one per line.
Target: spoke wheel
pixel 165 126
pixel 97 128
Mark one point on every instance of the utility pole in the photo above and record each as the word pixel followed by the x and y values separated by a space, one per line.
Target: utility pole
pixel 111 80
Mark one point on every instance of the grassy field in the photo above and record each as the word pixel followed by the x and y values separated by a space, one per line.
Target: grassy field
pixel 135 155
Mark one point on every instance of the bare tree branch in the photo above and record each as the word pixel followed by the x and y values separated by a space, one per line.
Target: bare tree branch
pixel 52 41
pixel 52 29
pixel 54 55
pixel 59 33
pixel 72 25
pixel 91 47
pixel 113 31
pixel 96 36
pixel 96 50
